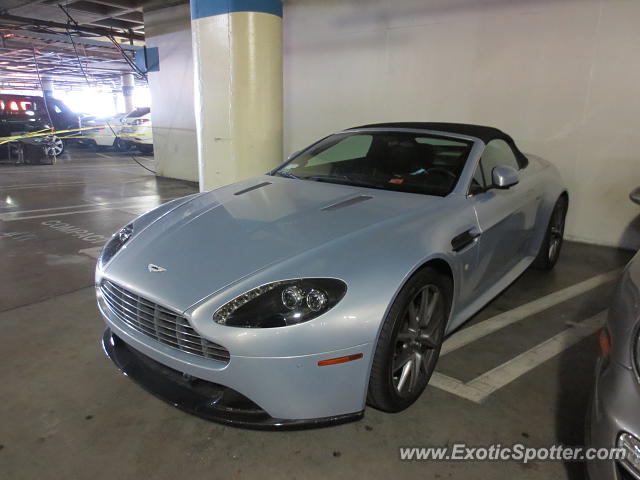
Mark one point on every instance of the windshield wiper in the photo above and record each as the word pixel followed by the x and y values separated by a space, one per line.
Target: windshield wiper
pixel 285 174
pixel 341 179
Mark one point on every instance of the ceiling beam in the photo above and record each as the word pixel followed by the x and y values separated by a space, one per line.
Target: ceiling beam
pixel 134 16
pixel 81 28
pixel 114 22
pixel 128 4
pixel 101 11
pixel 26 4
pixel 63 38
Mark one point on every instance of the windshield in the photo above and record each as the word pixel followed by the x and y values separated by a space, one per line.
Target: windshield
pixel 400 161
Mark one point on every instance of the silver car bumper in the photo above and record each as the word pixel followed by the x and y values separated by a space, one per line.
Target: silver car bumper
pixel 291 391
pixel 614 409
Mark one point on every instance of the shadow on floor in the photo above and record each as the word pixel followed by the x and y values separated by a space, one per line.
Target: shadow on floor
pixel 574 393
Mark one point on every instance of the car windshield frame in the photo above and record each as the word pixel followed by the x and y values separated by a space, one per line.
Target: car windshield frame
pixel 394 181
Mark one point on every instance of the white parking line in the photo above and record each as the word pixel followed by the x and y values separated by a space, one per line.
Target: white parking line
pixel 478 389
pixel 63 214
pixel 474 332
pixel 75 212
pixel 143 199
pixel 55 185
pixel 6 217
pixel 66 168
pixel 516 367
pixel 93 252
pixel 456 387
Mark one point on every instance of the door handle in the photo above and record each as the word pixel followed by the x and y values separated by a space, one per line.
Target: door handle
pixel 464 239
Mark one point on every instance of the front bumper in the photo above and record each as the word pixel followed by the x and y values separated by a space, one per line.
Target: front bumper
pixel 614 409
pixel 204 399
pixel 289 390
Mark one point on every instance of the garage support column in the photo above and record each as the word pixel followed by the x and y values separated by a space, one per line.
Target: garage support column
pixel 127 91
pixel 237 51
pixel 47 87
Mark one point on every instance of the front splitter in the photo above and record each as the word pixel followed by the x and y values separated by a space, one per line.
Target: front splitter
pixel 201 398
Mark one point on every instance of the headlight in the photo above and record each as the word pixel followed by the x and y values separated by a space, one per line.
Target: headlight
pixel 279 304
pixel 631 447
pixel 116 242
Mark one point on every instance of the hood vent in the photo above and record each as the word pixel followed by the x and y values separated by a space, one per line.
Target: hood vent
pixel 346 203
pixel 255 187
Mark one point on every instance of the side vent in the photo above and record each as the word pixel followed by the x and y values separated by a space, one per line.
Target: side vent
pixel 255 187
pixel 346 203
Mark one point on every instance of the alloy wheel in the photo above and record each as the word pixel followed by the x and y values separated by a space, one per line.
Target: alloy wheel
pixel 557 232
pixel 54 146
pixel 418 340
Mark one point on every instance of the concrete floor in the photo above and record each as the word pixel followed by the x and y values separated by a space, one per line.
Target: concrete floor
pixel 67 413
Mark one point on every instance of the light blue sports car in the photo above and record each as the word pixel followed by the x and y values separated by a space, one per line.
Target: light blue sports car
pixel 296 298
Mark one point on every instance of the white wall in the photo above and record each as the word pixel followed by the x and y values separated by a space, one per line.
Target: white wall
pixel 172 113
pixel 561 76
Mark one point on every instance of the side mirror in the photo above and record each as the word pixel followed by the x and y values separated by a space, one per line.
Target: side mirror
pixel 504 176
pixel 635 196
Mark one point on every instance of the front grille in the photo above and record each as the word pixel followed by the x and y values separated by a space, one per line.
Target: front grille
pixel 159 323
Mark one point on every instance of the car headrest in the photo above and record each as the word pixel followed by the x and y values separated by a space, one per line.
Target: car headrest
pixel 408 157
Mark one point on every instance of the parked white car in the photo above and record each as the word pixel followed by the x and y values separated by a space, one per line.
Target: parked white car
pixel 120 131
pixel 105 133
pixel 137 132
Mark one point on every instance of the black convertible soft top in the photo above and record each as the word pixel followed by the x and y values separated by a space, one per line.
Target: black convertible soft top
pixel 484 133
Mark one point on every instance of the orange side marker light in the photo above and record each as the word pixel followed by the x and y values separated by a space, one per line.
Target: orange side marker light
pixel 335 361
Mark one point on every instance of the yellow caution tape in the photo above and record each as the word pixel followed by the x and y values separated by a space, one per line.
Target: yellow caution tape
pixel 53 132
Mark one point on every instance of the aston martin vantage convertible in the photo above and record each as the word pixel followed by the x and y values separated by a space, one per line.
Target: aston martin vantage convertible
pixel 297 298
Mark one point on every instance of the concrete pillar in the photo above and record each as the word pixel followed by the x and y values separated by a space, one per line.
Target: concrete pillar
pixel 127 91
pixel 237 52
pixel 47 87
pixel 116 97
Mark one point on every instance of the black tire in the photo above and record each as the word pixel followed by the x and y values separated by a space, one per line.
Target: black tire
pixel 145 149
pixel 120 145
pixel 400 348
pixel 553 238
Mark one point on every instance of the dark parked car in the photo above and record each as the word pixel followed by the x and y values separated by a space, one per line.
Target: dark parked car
pixel 28 113
pixel 614 417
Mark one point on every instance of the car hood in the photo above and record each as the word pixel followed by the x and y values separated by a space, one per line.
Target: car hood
pixel 225 235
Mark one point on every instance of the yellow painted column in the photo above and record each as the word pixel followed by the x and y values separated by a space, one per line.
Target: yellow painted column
pixel 237 50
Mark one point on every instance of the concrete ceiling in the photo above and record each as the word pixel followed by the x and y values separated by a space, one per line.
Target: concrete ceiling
pixel 124 16
pixel 72 41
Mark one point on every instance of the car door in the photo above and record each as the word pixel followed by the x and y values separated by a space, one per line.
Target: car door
pixel 465 247
pixel 506 216
pixel 61 116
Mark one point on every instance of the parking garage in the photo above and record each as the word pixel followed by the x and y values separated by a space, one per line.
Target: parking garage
pixel 113 108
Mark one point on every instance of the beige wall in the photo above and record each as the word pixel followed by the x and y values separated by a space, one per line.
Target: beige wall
pixel 172 114
pixel 561 76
